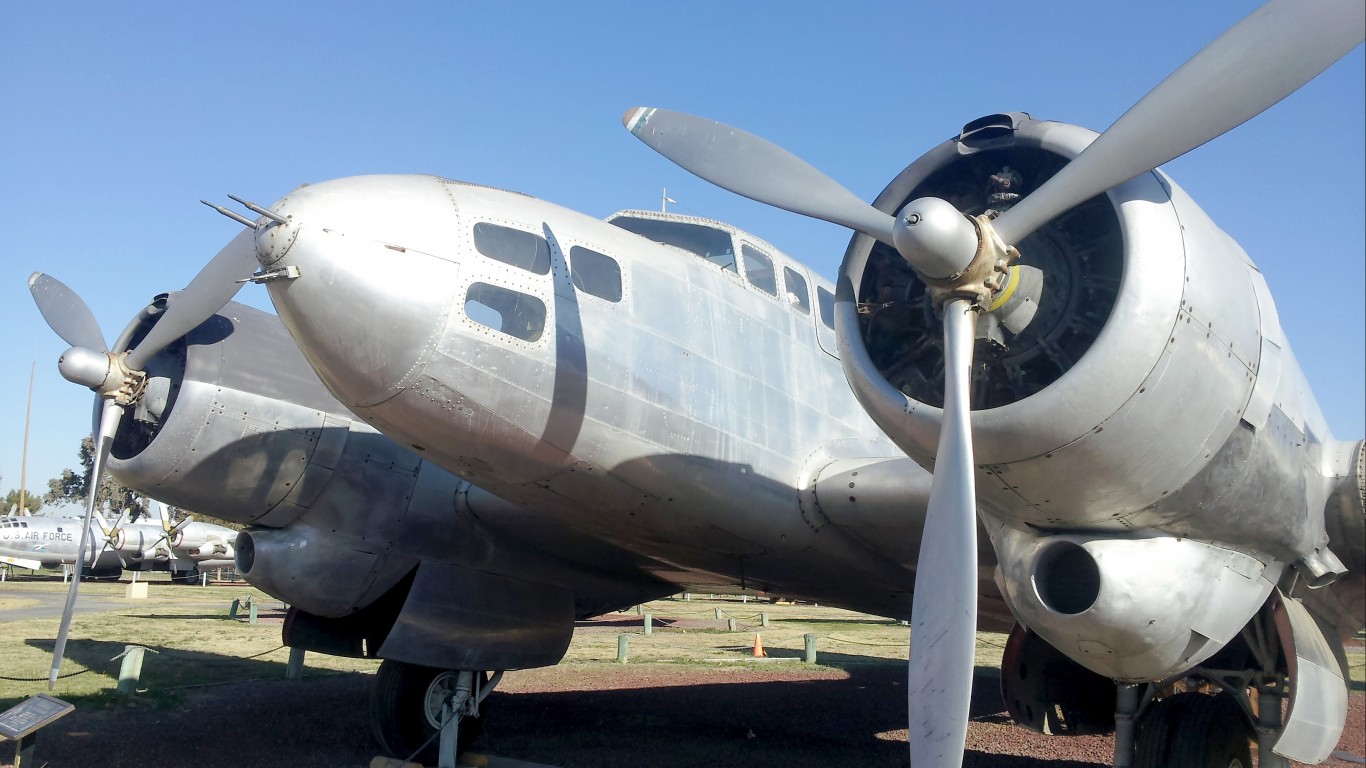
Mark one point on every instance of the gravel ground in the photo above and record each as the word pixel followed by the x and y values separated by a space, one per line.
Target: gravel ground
pixel 599 715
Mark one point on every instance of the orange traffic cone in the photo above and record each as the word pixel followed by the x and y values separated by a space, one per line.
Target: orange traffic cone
pixel 758 646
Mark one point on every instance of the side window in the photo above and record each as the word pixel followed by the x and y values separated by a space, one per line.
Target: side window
pixel 796 290
pixel 595 273
pixel 827 305
pixel 759 270
pixel 523 250
pixel 506 311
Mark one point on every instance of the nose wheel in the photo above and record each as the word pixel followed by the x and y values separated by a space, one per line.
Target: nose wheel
pixel 426 714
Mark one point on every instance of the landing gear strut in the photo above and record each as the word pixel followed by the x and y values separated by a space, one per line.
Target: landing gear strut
pixel 425 714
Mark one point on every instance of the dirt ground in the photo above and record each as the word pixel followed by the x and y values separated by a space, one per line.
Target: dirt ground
pixel 667 707
pixel 598 715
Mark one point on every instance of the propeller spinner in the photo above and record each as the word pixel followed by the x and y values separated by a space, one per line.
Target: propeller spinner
pixel 966 262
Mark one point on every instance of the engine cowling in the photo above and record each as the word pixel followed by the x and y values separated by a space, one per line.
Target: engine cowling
pixel 1150 407
pixel 1154 345
pixel 235 425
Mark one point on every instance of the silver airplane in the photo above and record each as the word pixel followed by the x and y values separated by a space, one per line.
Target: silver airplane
pixel 184 549
pixel 481 416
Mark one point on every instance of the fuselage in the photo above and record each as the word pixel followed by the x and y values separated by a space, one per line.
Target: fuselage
pixel 673 404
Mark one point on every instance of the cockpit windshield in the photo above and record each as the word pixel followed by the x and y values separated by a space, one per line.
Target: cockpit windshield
pixel 712 244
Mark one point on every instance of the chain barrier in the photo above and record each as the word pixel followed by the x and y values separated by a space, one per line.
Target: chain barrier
pixel 168 654
pixel 73 674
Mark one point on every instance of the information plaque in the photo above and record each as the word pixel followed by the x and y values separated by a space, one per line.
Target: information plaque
pixel 31 714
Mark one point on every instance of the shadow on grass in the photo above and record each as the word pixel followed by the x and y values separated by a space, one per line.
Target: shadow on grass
pixel 630 623
pixel 162 668
pixel 677 717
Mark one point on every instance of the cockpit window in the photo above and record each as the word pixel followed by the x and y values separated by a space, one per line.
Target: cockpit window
pixel 714 245
pixel 826 300
pixel 595 273
pixel 796 290
pixel 506 311
pixel 759 269
pixel 523 250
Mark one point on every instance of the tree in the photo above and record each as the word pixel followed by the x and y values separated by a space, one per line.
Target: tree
pixel 113 497
pixel 31 502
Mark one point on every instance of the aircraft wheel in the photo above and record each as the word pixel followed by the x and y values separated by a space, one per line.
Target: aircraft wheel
pixel 405 710
pixel 1194 730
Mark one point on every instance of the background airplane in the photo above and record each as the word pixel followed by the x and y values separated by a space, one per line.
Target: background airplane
pixel 342 381
pixel 184 549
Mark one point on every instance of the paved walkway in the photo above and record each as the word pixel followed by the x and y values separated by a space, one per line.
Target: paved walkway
pixel 50 604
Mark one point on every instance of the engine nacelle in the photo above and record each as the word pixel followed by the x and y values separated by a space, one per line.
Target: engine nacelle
pixel 236 425
pixel 1154 359
pixel 1118 606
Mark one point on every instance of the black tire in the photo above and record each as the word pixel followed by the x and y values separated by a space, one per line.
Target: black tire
pixel 398 714
pixel 1194 730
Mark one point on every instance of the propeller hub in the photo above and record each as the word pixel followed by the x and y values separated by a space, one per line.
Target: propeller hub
pixel 958 257
pixel 86 367
pixel 107 373
pixel 934 238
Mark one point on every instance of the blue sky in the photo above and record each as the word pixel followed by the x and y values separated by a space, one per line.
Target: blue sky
pixel 116 118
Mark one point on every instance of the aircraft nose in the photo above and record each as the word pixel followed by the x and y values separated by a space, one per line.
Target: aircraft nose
pixel 368 275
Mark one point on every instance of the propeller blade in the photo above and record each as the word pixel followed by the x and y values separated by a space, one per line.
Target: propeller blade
pixel 214 286
pixel 1261 60
pixel 944 610
pixel 109 426
pixel 755 168
pixel 66 314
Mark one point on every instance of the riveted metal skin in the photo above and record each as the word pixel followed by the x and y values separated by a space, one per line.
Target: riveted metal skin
pixel 642 421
